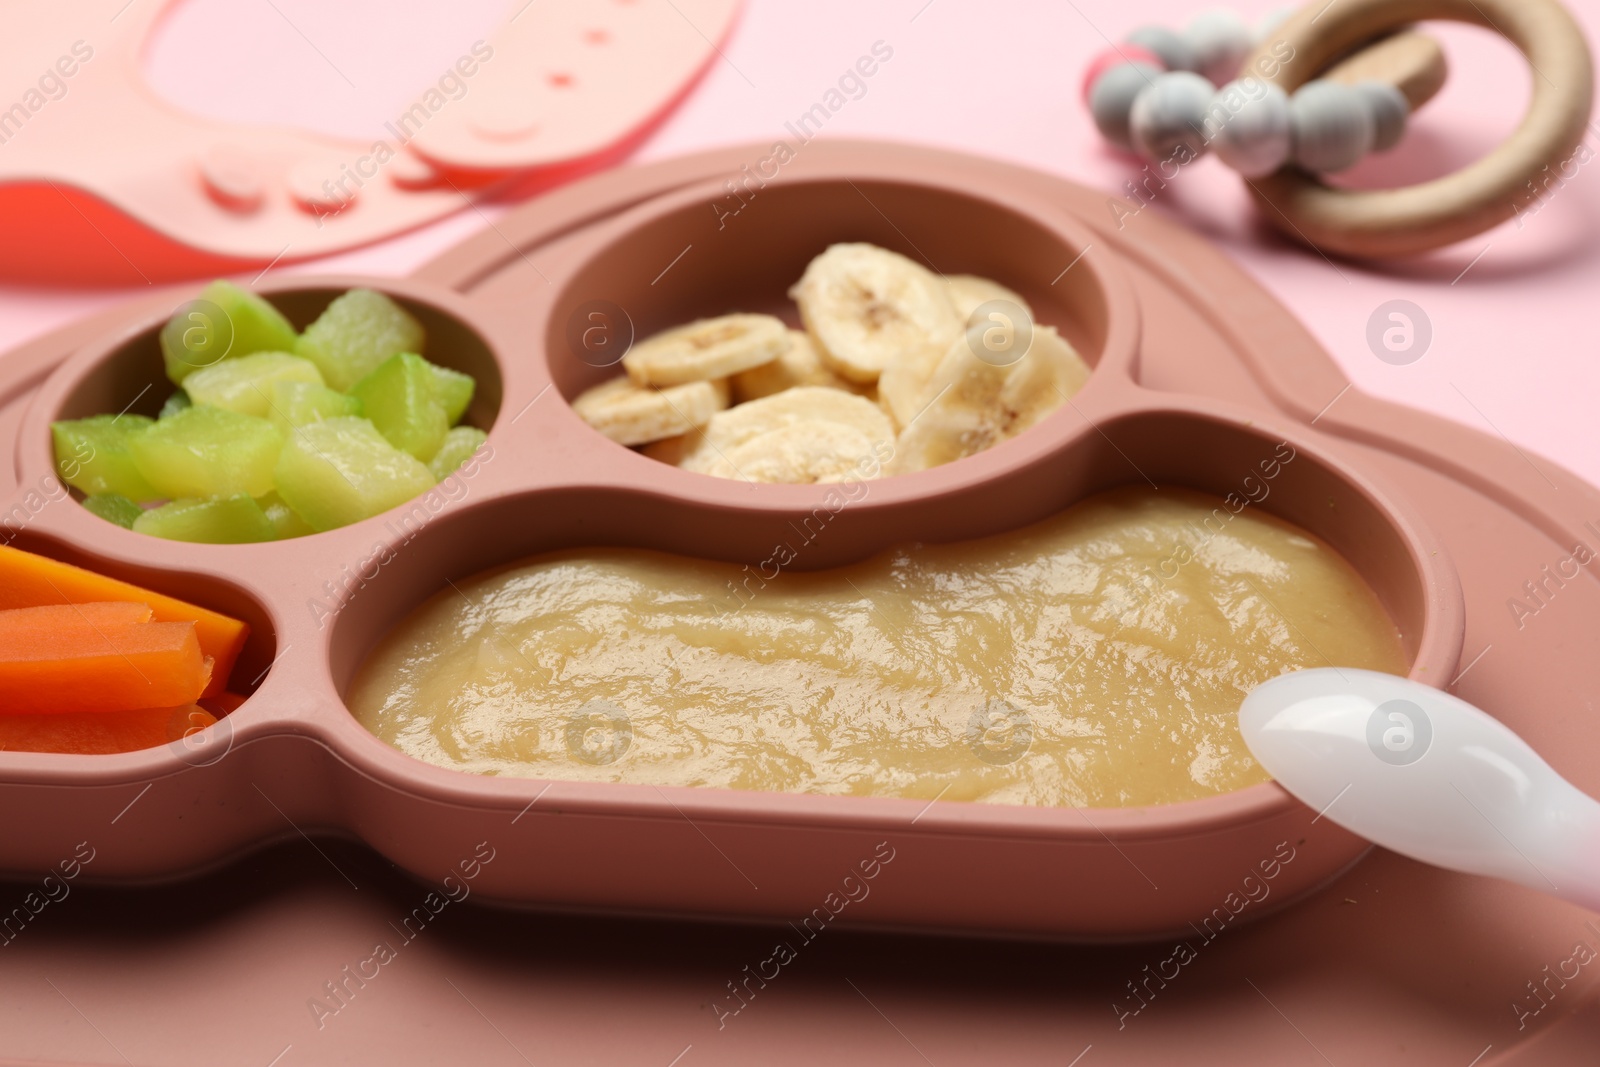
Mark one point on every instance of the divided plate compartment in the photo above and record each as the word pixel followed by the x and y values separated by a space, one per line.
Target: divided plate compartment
pixel 1393 963
pixel 547 481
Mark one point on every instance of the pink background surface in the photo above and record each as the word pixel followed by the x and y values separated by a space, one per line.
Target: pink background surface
pixel 1513 338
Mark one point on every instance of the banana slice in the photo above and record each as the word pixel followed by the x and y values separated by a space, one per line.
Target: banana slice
pixel 864 305
pixel 798 365
pixel 706 349
pixel 903 385
pixel 805 453
pixel 976 405
pixel 807 405
pixel 968 291
pixel 630 415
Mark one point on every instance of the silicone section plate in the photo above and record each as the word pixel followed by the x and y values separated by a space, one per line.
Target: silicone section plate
pixel 1392 963
pixel 547 480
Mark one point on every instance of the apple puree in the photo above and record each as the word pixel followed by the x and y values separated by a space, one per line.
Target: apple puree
pixel 1096 658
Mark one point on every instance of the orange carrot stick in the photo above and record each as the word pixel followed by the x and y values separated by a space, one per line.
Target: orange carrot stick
pixel 28 580
pixel 96 658
pixel 114 614
pixel 100 732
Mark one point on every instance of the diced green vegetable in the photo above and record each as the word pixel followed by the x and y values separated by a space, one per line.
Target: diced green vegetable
pixel 454 390
pixel 459 445
pixel 206 452
pixel 114 509
pixel 301 403
pixel 285 520
pixel 358 331
pixel 273 434
pixel 342 470
pixel 224 322
pixel 401 399
pixel 232 520
pixel 245 384
pixel 175 403
pixel 93 455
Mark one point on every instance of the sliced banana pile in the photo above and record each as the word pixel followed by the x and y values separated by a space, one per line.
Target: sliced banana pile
pixel 897 370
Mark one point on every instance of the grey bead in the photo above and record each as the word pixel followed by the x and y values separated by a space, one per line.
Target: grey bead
pixel 1173 48
pixel 1170 115
pixel 1111 98
pixel 1333 126
pixel 1256 139
pixel 1221 40
pixel 1390 110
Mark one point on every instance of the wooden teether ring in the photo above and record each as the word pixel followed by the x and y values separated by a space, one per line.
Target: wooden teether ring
pixel 1419 218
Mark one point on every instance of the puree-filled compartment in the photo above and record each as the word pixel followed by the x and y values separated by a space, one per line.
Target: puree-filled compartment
pixel 1096 658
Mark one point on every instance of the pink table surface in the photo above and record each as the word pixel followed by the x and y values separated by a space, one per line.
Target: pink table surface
pixel 1512 352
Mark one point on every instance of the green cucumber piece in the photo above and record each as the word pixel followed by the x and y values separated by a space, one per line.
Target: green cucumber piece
pixel 94 455
pixel 454 390
pixel 114 509
pixel 175 403
pixel 342 470
pixel 245 384
pixel 285 520
pixel 459 445
pixel 401 398
pixel 358 331
pixel 223 322
pixel 301 403
pixel 230 520
pixel 205 452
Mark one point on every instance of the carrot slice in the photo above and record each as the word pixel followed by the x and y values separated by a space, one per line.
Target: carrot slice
pixel 28 580
pixel 97 658
pixel 100 732
pixel 114 614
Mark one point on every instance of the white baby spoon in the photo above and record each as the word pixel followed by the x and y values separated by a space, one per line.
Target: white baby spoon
pixel 1427 775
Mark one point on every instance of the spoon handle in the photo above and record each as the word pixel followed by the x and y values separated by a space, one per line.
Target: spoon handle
pixel 1568 865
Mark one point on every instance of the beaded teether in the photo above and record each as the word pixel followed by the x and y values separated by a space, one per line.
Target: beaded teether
pixel 1285 117
pixel 1158 95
